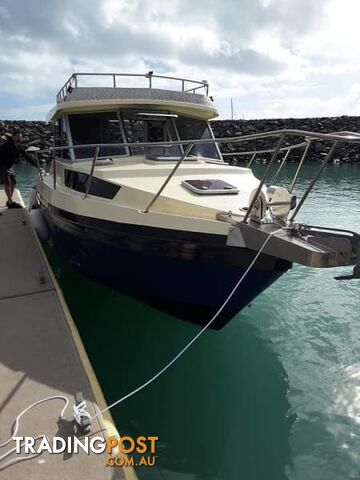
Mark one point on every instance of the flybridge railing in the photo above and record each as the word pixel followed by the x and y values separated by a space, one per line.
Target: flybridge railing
pixel 280 135
pixel 184 85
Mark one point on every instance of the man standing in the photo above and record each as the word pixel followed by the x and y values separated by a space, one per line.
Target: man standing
pixel 9 153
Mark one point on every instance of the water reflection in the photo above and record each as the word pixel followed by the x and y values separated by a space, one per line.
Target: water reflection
pixel 335 198
pixel 221 412
pixel 226 410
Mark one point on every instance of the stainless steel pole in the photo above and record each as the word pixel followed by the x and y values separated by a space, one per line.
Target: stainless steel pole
pixel 88 184
pixel 314 180
pixel 258 190
pixel 172 173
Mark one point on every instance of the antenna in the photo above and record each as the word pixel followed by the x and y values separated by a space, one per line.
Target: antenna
pixel 232 109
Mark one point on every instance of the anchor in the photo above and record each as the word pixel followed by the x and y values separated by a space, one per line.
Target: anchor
pixel 356 274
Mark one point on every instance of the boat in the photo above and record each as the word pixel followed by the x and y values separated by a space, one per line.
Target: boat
pixel 139 197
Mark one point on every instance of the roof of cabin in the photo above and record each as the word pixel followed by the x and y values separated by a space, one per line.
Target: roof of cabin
pixel 73 98
pixel 106 93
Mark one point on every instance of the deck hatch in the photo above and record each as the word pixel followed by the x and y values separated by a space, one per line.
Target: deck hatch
pixel 210 187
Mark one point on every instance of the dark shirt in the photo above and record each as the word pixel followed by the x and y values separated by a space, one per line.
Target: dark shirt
pixel 10 152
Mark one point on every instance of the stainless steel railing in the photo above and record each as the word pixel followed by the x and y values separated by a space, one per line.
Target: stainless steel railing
pixel 255 153
pixel 184 84
pixel 281 135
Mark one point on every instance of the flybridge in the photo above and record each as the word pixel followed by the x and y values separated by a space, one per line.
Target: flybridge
pixel 142 80
pixel 85 92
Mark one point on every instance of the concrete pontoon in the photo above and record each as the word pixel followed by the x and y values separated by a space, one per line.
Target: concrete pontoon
pixel 41 355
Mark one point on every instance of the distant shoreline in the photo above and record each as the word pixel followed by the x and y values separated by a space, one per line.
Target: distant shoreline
pixel 38 133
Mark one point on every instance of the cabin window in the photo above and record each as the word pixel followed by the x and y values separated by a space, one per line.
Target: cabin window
pixel 88 128
pixel 193 129
pixel 100 188
pixel 60 138
pixel 145 126
pixel 157 126
pixel 137 126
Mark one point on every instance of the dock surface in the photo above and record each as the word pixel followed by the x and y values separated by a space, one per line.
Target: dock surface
pixel 41 355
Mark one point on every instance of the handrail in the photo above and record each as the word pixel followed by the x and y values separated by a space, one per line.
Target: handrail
pixel 299 167
pixel 335 138
pixel 351 137
pixel 73 81
pixel 172 173
pixel 268 150
pixel 313 181
pixel 275 177
pixel 262 181
pixel 89 181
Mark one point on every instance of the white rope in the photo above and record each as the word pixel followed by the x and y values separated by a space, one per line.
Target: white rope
pixel 80 409
pixel 15 428
pixel 188 345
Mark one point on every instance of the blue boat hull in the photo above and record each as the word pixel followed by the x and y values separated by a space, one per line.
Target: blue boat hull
pixel 186 279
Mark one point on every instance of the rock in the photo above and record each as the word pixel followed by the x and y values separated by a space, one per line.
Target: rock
pixel 346 152
pixel 41 134
pixel 34 134
pixel 36 142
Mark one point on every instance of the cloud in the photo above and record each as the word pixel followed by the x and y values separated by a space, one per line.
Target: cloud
pixel 29 112
pixel 248 50
pixel 292 106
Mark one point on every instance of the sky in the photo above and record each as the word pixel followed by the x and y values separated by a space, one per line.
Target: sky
pixel 274 58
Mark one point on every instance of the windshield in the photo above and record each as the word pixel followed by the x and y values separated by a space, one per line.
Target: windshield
pixel 150 127
pixel 88 128
pixel 136 126
pixel 193 129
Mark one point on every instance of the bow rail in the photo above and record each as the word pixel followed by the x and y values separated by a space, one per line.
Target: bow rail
pixel 280 135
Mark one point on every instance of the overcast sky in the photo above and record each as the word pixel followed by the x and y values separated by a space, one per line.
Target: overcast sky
pixel 275 58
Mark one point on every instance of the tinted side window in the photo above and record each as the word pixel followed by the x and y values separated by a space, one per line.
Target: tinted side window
pixel 88 128
pixel 76 180
pixel 100 188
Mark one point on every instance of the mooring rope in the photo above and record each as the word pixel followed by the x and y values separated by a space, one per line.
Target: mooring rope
pixel 193 340
pixel 15 428
pixel 79 411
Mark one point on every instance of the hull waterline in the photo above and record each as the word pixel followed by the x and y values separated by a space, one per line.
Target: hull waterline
pixel 186 275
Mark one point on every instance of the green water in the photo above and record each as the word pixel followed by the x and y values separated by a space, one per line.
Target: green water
pixel 274 395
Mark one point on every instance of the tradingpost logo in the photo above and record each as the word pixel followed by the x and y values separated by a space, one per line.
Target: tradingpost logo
pixel 123 451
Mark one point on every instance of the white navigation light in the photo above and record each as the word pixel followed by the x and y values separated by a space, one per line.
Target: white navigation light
pixel 280 201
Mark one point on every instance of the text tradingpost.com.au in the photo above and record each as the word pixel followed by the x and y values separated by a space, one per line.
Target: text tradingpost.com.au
pixel 120 451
